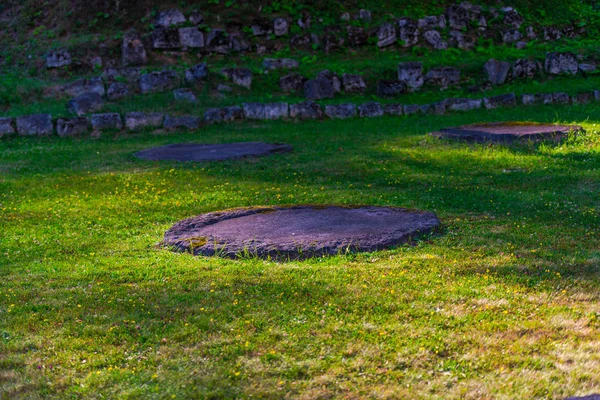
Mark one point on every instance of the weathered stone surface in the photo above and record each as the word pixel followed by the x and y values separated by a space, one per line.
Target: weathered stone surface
pixel 507 132
pixel 511 36
pixel 316 89
pixel 299 231
pixel 58 59
pixel 281 27
pixel 280 63
pixel 159 81
pixel 525 68
pixel 345 16
pixel 85 104
pixel 218 41
pixel 444 76
pixel 496 71
pixel 191 38
pixel 370 109
pixel 82 86
pixel 561 63
pixel 340 111
pixel 133 51
pixel 432 22
pixel 166 38
pixel 411 73
pixel 512 17
pixel 181 122
pixel 261 27
pixel 239 43
pixel 357 36
pixel 242 77
pixel 168 18
pixel 531 99
pixel 461 41
pixel 521 44
pixel 503 100
pixel 7 127
pixel 458 16
pixel 306 110
pixel 35 124
pixel 196 74
pixel 211 152
pixel 196 18
pixel 597 95
pixel 408 32
pixel 72 126
pixel 552 34
pixel 353 83
pixel 393 109
pixel 590 397
pixel 185 94
pixel 386 35
pixel 363 15
pixel 387 88
pixel 265 111
pixel 140 120
pixel 463 104
pixel 292 82
pixel 130 74
pixel 232 113
pixel 438 108
pixel 117 91
pixel 560 98
pixel 213 116
pixel 221 88
pixel 434 39
pixel 336 82
pixel 331 41
pixel 582 98
pixel 585 67
pixel 106 121
pixel 530 33
pixel 410 109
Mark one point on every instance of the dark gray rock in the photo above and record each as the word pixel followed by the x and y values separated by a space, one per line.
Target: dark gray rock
pixel 585 67
pixel 390 88
pixel 582 98
pixel 340 111
pixel 521 45
pixel 181 122
pixel 316 89
pixel 393 109
pixel 239 44
pixel 191 38
pixel 461 40
pixel 85 104
pixel 133 51
pixel 496 71
pixel 507 132
pixel 106 121
pixel 166 39
pixel 561 63
pixel 213 116
pixel 242 77
pixel 410 109
pixel 35 125
pixel 280 63
pixel 503 100
pixel 299 231
pixel 560 98
pixel 261 27
pixel 266 111
pixel 168 18
pixel 434 39
pixel 82 86
pixel 232 113
pixel 533 99
pixel 363 15
pixel 159 81
pixel 357 36
pixel 511 36
pixel 130 74
pixel 218 41
pixel 408 32
pixel 117 91
pixel 140 120
pixel 196 74
pixel 590 397
pixel 463 104
pixel 386 35
pixel 525 68
pixel 443 77
pixel 221 88
pixel 432 22
pixel 7 127
pixel 211 152
pixel 72 126
pixel 292 82
pixel 552 34
pixel 438 108
pixel 196 18
pixel 58 59
pixel 513 18
pixel 306 110
pixel 353 83
pixel 597 95
pixel 335 80
pixel 331 41
pixel 185 94
pixel 370 109
pixel 281 27
pixel 411 73
pixel 458 16
pixel 530 33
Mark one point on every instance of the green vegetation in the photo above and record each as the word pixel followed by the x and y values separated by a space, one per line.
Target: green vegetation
pixel 504 303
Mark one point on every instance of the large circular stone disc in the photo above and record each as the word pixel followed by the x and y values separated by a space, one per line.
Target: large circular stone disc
pixel 211 152
pixel 507 132
pixel 299 231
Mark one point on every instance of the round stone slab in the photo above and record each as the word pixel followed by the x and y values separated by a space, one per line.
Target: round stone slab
pixel 299 231
pixel 508 132
pixel 211 152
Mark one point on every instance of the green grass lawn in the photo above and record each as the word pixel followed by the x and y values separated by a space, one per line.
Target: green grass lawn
pixel 503 303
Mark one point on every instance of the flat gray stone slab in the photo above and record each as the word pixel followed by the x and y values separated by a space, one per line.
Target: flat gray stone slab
pixel 299 231
pixel 507 132
pixel 211 152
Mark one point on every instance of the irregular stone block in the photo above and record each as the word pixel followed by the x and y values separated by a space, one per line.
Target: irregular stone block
pixel 560 98
pixel 552 34
pixel 496 71
pixel 140 120
pixel 587 67
pixel 463 104
pixel 261 27
pixel 336 82
pixel 438 108
pixel 191 38
pixel 386 35
pixel 85 103
pixel 393 109
pixel 281 27
pixel 353 83
pixel 370 109
pixel 461 41
pixel 597 95
pixel 117 91
pixel 306 110
pixel 582 98
pixel 512 17
pixel 58 59
pixel 7 127
pixel 82 86
pixel 165 39
pixel 292 82
pixel 316 89
pixel 390 88
pixel 458 16
pixel 221 88
pixel 410 109
pixel 561 63
pixel 434 39
pixel 411 73
pixel 280 63
pixel 443 77
pixel 531 99
pixel 356 35
pixel 267 111
pixel 35 124
pixel 168 18
pixel 503 100
pixel 218 41
pixel 181 122
pixel 130 74
pixel 232 113
pixel 432 22
pixel 238 43
pixel 197 73
pixel 185 94
pixel 511 36
pixel 408 32
pixel 213 115
pixel 159 81
pixel 363 15
pixel 340 111
pixel 196 18
pixel 525 68
pixel 241 77
pixel 72 127
pixel 133 51
pixel 106 121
